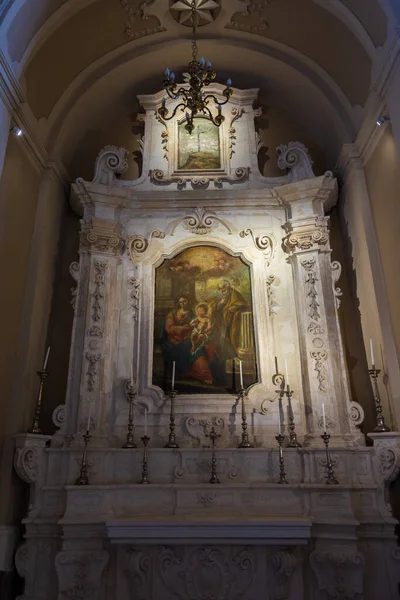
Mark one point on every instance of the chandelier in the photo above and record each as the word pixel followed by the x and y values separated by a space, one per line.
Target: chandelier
pixel 194 100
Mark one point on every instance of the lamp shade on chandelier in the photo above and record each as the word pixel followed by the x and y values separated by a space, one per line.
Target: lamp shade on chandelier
pixel 193 97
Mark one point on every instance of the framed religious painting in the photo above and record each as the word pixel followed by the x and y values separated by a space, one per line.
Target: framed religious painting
pixel 203 322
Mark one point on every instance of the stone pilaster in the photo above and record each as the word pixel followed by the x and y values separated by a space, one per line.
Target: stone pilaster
pixel 94 324
pixel 323 370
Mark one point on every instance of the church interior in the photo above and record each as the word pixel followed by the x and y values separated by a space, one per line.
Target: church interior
pixel 200 324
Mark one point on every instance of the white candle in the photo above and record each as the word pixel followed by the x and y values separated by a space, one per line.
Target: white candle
pixel 323 417
pixel 89 415
pixel 372 352
pixel 132 376
pixel 46 359
pixel 280 422
pixel 145 420
pixel 173 375
pixel 286 374
pixel 241 374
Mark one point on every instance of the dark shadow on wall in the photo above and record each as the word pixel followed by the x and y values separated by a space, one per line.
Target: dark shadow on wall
pixel 61 319
pixel 350 319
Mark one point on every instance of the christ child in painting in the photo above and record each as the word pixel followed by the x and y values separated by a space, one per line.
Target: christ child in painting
pixel 201 327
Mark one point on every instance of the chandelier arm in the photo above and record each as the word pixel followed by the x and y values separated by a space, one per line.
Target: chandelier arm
pixel 210 114
pixel 209 96
pixel 181 104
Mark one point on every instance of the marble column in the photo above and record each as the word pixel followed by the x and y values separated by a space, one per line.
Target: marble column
pixel 323 371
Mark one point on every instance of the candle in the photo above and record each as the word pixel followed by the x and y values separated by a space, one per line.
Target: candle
pixel 132 376
pixel 46 359
pixel 280 422
pixel 173 375
pixel 323 417
pixel 372 353
pixel 89 415
pixel 241 374
pixel 286 373
pixel 276 366
pixel 145 421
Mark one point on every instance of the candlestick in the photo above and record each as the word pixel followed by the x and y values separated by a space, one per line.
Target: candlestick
pixel 241 374
pixel 145 439
pixel 145 421
pixel 293 442
pixel 280 421
pixel 331 479
pixel 286 374
pixel 132 375
pixel 323 417
pixel 282 475
pixel 38 408
pixel 213 435
pixel 372 353
pixel 381 427
pixel 83 478
pixel 245 436
pixel 131 394
pixel 173 376
pixel 46 359
pixel 171 438
pixel 89 415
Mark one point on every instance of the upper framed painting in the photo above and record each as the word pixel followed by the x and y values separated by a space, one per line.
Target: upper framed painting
pixel 201 149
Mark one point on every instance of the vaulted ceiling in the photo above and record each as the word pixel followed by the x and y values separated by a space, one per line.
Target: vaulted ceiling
pixel 82 61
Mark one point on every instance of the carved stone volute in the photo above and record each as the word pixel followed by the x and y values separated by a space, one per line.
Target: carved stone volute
pixel 101 236
pixel 387 456
pixel 110 161
pixel 29 455
pixel 295 157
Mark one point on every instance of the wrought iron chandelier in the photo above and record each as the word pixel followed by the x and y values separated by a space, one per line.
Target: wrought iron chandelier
pixel 194 100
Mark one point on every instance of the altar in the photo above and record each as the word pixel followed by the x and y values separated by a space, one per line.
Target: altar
pixel 208 446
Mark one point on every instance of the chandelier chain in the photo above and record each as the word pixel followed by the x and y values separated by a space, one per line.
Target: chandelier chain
pixel 194 27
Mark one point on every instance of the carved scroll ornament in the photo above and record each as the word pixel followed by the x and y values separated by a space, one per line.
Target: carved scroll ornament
pixel 200 222
pixel 295 157
pixel 264 242
pixel 110 161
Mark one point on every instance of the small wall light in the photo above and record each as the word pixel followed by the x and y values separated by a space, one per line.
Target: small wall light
pixel 382 120
pixel 16 131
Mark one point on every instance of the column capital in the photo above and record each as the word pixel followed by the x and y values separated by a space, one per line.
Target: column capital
pixel 101 236
pixel 306 234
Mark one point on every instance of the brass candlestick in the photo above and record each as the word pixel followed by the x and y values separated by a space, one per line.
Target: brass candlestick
pixel 293 443
pixel 171 439
pixel 130 440
pixel 83 478
pixel 282 475
pixel 380 421
pixel 213 435
pixel 331 479
pixel 245 436
pixel 38 408
pixel 145 439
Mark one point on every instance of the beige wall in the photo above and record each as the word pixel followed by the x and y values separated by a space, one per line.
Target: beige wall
pixel 18 200
pixel 383 179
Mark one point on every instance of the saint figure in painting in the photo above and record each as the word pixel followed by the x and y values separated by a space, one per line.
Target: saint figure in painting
pixel 225 311
pixel 185 339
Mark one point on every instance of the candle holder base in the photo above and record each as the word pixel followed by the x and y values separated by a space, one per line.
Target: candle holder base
pixel 213 435
pixel 380 427
pixel 144 481
pixel 172 438
pixel 331 479
pixel 282 474
pixel 83 478
pixel 38 408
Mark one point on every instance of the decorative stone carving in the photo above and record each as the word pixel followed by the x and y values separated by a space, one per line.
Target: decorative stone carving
pixel 95 331
pixel 98 292
pixel 387 455
pixel 74 270
pixel 79 574
pixel 206 498
pixel 312 294
pixel 356 413
pixel 134 285
pixel 164 136
pixel 200 428
pixel 306 240
pixel 205 11
pixel 200 222
pixel 137 245
pixel 284 564
pixel 264 242
pixel 138 574
pixel 236 113
pixel 207 572
pixel 251 9
pixel 101 236
pixel 58 416
pixel 295 157
pixel 239 175
pixel 91 372
pixel 271 295
pixel 336 273
pixel 340 574
pixel 319 366
pixel 110 162
pixel 26 463
pixel 37 556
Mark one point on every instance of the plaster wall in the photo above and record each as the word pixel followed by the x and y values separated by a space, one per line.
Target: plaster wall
pixel 383 179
